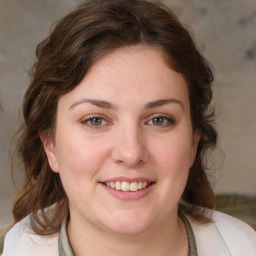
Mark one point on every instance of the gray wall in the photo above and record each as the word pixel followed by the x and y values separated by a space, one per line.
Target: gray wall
pixel 225 33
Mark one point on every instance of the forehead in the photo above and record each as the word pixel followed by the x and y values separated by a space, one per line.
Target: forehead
pixel 137 73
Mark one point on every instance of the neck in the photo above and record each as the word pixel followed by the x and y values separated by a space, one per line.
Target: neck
pixel 167 239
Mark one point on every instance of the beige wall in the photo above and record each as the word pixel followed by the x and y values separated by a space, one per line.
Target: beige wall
pixel 225 33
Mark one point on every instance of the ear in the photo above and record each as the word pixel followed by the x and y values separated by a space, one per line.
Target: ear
pixel 50 150
pixel 195 141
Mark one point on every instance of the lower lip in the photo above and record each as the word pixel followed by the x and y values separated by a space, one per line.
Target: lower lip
pixel 128 195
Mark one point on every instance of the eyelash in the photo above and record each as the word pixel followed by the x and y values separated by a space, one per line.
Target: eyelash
pixel 90 119
pixel 166 121
pixel 169 121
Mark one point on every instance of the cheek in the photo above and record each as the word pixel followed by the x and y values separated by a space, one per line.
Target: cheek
pixel 173 164
pixel 80 162
pixel 174 154
pixel 79 155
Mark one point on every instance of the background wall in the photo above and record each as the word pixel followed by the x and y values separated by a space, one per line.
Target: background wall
pixel 225 33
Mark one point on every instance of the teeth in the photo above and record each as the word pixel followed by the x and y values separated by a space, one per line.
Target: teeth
pixel 118 185
pixel 133 186
pixel 126 186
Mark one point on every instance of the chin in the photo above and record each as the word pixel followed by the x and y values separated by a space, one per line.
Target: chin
pixel 128 230
pixel 129 224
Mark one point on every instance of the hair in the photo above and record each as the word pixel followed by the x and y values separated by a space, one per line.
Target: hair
pixel 94 29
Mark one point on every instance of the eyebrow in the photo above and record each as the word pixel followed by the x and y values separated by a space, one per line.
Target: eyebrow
pixel 98 103
pixel 108 105
pixel 162 102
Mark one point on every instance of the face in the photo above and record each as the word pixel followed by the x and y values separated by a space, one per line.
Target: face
pixel 124 142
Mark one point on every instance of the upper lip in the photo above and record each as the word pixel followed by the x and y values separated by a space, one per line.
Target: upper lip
pixel 128 179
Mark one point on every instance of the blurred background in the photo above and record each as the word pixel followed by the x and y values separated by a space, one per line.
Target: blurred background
pixel 225 34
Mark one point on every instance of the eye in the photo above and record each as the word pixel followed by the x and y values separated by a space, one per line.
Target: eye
pixel 95 121
pixel 163 121
pixel 158 120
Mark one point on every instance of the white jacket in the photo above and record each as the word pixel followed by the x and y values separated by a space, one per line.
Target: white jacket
pixel 225 236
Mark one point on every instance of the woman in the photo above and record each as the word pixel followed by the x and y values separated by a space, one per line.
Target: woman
pixel 115 140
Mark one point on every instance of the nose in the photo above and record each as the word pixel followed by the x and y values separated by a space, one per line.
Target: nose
pixel 129 147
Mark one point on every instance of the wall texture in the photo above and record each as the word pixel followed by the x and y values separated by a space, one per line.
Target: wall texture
pixel 225 33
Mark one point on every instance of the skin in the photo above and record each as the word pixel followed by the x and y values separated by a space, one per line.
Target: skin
pixel 125 140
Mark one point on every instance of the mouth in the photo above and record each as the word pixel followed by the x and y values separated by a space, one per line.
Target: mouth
pixel 128 186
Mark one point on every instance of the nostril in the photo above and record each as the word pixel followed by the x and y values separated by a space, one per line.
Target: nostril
pixel 129 149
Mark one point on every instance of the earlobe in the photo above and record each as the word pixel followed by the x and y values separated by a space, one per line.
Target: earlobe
pixel 50 151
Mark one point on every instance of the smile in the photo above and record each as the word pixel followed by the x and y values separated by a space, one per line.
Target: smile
pixel 128 186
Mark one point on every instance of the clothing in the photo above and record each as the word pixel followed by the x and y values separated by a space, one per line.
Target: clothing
pixel 226 236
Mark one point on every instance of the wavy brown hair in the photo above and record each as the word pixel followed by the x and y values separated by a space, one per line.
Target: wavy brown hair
pixel 92 30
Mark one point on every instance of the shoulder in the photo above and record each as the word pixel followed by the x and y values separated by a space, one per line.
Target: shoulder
pixel 226 235
pixel 21 241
